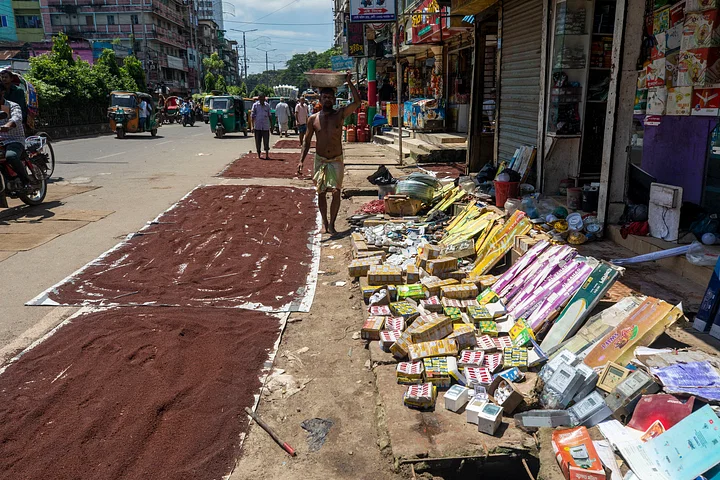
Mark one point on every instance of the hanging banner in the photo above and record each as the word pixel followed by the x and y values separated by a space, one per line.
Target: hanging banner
pixel 341 62
pixel 356 39
pixel 372 11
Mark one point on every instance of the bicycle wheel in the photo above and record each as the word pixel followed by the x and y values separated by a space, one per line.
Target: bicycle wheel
pixel 50 152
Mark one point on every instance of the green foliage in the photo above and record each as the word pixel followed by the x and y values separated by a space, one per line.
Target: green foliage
pixel 132 67
pixel 240 91
pixel 220 84
pixel 213 63
pixel 64 83
pixel 262 89
pixel 61 50
pixel 209 82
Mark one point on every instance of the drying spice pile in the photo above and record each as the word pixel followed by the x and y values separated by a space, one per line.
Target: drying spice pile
pixel 134 393
pixel 222 246
pixel 280 165
pixel 291 144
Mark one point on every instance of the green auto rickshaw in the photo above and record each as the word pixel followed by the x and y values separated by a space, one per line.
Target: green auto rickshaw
pixel 227 115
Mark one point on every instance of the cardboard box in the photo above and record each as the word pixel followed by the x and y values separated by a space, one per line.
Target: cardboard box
pixel 464 335
pixel 412 274
pixel 437 329
pixel 640 328
pixel 436 371
pixel 521 333
pixel 515 357
pixel 576 454
pixel 432 304
pixel 679 101
pixel 479 313
pixel 433 286
pixel 699 5
pixel 400 348
pixel 641 96
pixel 485 343
pixel 698 67
pixel 479 375
pixel 706 102
pixel 461 291
pixel 441 265
pixel 489 418
pixel 387 338
pixel 493 361
pixel 661 20
pixel 421 396
pixel 371 328
pixel 435 348
pixel 471 358
pixel 397 206
pixel 456 398
pixel 473 409
pixel 505 395
pixel 453 312
pixel 430 252
pixel 379 311
pixel 360 266
pixel 384 275
pixel 502 343
pixel 395 324
pixel 403 309
pixel 701 30
pixel 414 290
pixel 657 101
pixel 486 327
pixel 409 373
pixel 463 249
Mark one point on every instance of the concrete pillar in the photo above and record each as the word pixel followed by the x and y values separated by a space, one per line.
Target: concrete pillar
pixel 372 90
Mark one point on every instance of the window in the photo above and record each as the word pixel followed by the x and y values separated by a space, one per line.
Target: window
pixel 111 19
pixel 134 19
pixel 28 21
pixel 3 21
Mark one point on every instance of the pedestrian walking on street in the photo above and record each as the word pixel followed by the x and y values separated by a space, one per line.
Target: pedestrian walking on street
pixel 301 117
pixel 329 169
pixel 282 113
pixel 260 114
pixel 142 114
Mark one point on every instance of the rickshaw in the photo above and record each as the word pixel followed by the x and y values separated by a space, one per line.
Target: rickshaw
pixel 227 115
pixel 274 125
pixel 124 113
pixel 249 102
pixel 206 108
pixel 172 109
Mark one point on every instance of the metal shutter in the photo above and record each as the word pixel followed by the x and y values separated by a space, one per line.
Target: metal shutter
pixel 519 75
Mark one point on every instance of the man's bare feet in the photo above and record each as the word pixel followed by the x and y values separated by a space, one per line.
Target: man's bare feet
pixel 267 155
pixel 259 156
pixel 325 229
pixel 331 230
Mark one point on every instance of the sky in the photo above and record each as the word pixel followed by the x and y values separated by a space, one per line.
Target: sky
pixel 286 40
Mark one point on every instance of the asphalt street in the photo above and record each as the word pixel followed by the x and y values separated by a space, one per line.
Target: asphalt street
pixel 139 177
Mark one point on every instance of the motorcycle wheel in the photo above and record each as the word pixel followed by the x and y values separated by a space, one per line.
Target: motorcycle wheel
pixel 38 196
pixel 219 132
pixel 207 121
pixel 50 153
pixel 171 120
pixel 153 132
pixel 120 133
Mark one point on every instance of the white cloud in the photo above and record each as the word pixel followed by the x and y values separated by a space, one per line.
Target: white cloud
pixel 267 6
pixel 289 34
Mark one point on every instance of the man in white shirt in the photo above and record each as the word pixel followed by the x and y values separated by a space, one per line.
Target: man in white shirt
pixel 282 113
pixel 142 114
pixel 301 116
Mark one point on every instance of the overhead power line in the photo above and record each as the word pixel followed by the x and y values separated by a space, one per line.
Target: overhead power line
pixel 279 24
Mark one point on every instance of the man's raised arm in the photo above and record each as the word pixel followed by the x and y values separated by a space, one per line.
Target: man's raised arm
pixel 349 109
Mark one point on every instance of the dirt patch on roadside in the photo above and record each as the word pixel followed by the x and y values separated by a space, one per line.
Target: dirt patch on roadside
pixel 280 165
pixel 291 144
pixel 134 393
pixel 222 246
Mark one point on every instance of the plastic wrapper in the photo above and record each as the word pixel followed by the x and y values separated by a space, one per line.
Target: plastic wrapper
pixel 699 255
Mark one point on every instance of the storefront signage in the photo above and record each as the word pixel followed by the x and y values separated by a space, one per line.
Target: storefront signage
pixel 372 11
pixel 653 120
pixel 427 20
pixel 356 39
pixel 341 62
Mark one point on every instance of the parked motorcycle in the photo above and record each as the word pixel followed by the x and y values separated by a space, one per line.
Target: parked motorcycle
pixel 188 116
pixel 36 165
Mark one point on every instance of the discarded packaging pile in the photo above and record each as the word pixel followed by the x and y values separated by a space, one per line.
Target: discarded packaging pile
pixel 465 325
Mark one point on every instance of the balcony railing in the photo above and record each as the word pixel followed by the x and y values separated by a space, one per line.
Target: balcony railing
pixel 168 13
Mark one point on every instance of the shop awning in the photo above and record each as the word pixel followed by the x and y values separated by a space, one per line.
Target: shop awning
pixel 470 7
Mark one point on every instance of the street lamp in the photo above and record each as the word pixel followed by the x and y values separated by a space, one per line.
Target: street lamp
pixel 244 47
pixel 266 55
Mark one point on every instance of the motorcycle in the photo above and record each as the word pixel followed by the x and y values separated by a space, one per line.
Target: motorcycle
pixel 188 116
pixel 37 164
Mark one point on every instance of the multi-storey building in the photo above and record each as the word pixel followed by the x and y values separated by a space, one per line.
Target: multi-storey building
pixel 211 10
pixel 160 33
pixel 7 23
pixel 341 11
pixel 28 20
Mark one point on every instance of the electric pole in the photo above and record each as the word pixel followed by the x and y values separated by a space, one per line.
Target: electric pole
pixel 267 68
pixel 244 50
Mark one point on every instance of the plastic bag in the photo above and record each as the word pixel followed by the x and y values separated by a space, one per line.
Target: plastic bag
pixel 701 256
pixel 382 176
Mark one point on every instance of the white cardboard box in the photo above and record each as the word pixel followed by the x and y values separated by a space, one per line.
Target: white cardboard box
pixel 489 418
pixel 456 397
pixel 473 409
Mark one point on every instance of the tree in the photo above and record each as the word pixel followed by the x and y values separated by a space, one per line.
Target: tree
pixel 240 91
pixel 209 82
pixel 221 85
pixel 262 90
pixel 213 63
pixel 61 49
pixel 108 58
pixel 132 67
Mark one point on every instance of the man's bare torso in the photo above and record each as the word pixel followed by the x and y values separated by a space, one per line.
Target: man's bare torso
pixel 328 132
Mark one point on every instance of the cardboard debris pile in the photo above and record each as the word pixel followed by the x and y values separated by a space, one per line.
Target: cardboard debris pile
pixel 492 318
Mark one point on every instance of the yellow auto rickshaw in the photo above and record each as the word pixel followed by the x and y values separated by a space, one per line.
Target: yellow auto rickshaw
pixel 124 113
pixel 206 108
pixel 249 102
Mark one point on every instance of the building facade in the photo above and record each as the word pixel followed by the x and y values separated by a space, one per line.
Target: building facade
pixel 8 32
pixel 211 10
pixel 159 32
pixel 28 20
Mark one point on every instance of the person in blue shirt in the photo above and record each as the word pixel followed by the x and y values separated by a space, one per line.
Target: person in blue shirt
pixel 260 114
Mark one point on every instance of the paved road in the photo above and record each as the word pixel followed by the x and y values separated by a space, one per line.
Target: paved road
pixel 140 176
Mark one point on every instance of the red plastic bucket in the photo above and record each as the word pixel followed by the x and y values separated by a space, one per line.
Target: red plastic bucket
pixel 505 190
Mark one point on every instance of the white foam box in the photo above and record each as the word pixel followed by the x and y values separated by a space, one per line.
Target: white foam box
pixel 489 418
pixel 473 409
pixel 456 398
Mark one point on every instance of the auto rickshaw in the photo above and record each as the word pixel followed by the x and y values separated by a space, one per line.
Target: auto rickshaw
pixel 274 125
pixel 172 109
pixel 227 115
pixel 124 113
pixel 206 108
pixel 249 102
